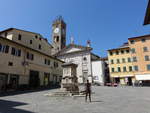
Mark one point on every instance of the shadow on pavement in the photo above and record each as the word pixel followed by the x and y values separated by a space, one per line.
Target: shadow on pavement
pixel 11 93
pixel 9 107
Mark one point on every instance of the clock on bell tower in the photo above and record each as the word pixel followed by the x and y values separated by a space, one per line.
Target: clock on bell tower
pixel 58 34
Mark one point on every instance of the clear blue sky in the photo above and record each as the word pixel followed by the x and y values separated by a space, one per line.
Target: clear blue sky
pixel 107 23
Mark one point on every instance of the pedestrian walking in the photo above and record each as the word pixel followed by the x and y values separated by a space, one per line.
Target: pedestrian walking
pixel 140 83
pixel 133 83
pixel 88 91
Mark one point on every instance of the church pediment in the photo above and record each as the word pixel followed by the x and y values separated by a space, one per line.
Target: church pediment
pixel 72 48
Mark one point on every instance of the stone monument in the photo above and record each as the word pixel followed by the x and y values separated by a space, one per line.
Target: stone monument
pixel 69 81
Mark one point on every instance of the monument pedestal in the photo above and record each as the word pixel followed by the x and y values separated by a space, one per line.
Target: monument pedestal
pixel 69 79
pixel 69 83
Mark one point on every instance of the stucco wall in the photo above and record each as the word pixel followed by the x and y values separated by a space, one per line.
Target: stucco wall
pixel 78 59
pixel 98 71
pixel 23 71
pixel 25 40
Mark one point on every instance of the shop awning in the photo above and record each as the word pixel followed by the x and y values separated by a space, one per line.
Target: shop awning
pixel 143 77
pixel 122 76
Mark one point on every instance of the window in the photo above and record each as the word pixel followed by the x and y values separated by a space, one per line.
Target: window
pixel 143 39
pixel 55 64
pixel 148 67
pixel 129 59
pixel 132 41
pixel 10 64
pixel 124 69
pixel 36 36
pixel 47 62
pixel 127 51
pixel 134 59
pixel 145 49
pixel 39 46
pixel 123 60
pixel 133 50
pixel 112 61
pixel 19 37
pixel 4 48
pixel 117 52
pixel 122 51
pixel 119 69
pixel 130 68
pixel 112 69
pixel 118 61
pixel 30 56
pixel 57 39
pixel 136 68
pixel 147 58
pixel 15 52
pixel 19 52
pixel 30 41
pixel 111 53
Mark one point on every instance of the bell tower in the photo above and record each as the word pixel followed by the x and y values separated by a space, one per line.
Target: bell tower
pixel 58 34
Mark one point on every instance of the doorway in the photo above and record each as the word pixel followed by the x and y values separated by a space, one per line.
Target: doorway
pixel 34 80
pixel 46 79
pixel 13 82
pixel 129 81
pixel 117 80
pixel 3 82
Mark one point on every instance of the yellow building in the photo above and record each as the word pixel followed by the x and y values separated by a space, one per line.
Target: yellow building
pixel 120 65
pixel 140 52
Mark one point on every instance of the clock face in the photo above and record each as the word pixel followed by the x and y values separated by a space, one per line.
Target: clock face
pixel 56 30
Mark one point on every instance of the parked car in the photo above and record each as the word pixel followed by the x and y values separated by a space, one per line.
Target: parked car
pixel 111 84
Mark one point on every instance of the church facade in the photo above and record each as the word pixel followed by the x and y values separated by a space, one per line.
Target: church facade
pixel 80 55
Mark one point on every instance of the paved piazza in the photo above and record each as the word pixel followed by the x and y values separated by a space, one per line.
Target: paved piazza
pixel 105 100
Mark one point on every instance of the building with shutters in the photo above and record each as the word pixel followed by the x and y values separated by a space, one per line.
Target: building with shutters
pixel 26 61
pixel 120 65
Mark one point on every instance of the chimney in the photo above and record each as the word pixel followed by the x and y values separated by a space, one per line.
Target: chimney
pixel 88 43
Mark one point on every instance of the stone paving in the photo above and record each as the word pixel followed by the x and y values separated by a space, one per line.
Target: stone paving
pixel 104 100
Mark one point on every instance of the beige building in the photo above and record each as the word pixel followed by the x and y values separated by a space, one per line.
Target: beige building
pixel 23 64
pixel 120 65
pixel 29 39
pixel 140 52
